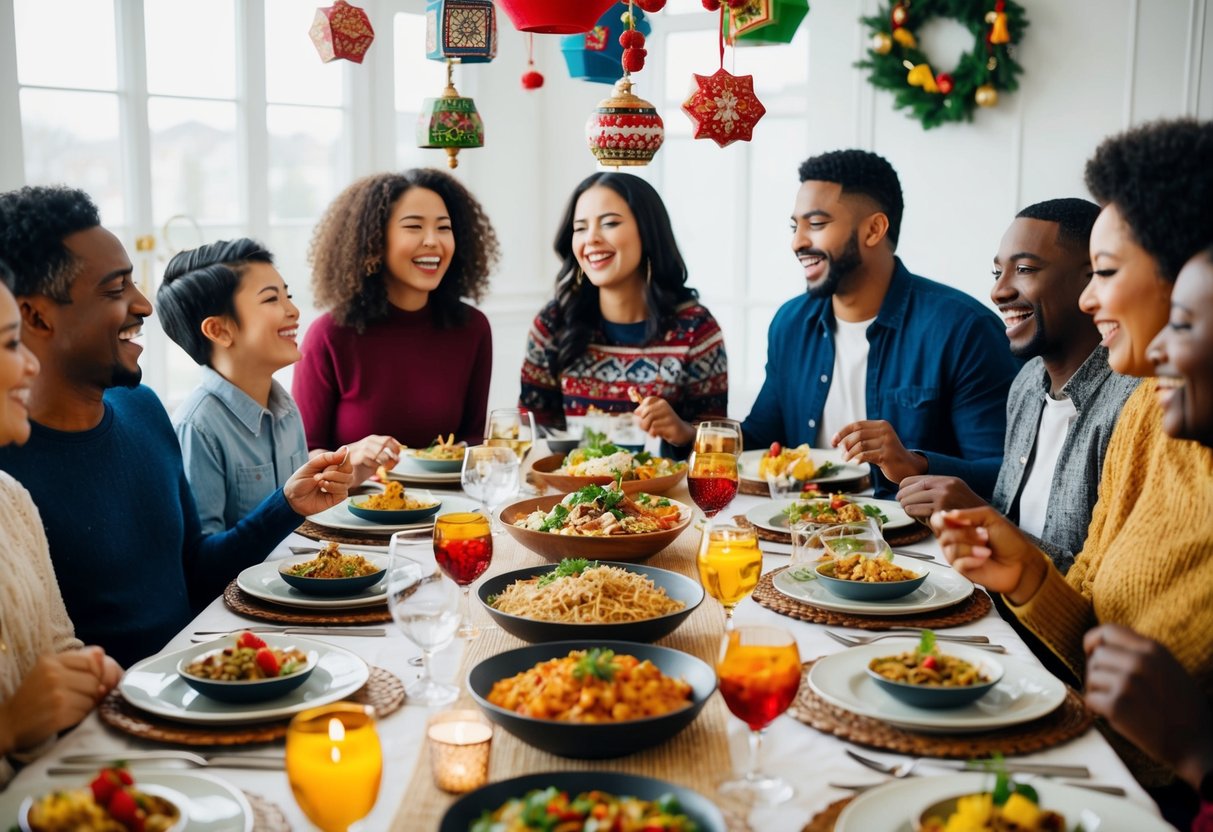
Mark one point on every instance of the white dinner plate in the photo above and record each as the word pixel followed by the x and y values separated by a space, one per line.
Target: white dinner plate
pixel 747 466
pixel 1026 691
pixel 263 581
pixel 770 515
pixel 153 685
pixel 210 804
pixel 338 517
pixel 894 806
pixel 943 587
pixel 407 470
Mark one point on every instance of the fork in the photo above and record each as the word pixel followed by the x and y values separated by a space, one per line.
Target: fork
pixel 76 762
pixel 1093 787
pixel 906 768
pixel 975 641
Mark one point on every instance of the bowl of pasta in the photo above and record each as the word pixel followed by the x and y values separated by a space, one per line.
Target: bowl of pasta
pixel 584 599
pixel 443 456
pixel 592 699
pixel 333 572
pixel 394 505
pixel 597 522
pixel 250 668
pixel 927 677
pixel 860 578
pixel 638 471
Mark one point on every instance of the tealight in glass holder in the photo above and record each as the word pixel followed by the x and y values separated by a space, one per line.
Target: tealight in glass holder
pixel 460 742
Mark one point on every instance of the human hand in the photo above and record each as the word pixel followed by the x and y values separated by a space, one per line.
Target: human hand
pixel 922 496
pixel 1148 697
pixel 57 692
pixel 657 418
pixel 321 482
pixel 988 549
pixel 874 441
pixel 368 453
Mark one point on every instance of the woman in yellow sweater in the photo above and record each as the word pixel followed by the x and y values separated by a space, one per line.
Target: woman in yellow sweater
pixel 1148 559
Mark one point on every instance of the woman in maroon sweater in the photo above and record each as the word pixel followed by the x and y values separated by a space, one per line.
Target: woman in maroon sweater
pixel 398 352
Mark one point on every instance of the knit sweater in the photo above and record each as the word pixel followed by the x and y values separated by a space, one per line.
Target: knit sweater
pixel 33 620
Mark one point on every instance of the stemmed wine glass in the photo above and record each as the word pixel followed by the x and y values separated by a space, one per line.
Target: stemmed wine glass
pixel 718 436
pixel 490 474
pixel 425 605
pixel 513 428
pixel 334 763
pixel 730 564
pixel 712 480
pixel 759 673
pixel 463 547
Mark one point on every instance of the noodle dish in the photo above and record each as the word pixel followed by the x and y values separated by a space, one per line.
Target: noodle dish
pixel 926 677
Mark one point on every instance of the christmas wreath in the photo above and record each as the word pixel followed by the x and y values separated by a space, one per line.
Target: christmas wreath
pixel 933 97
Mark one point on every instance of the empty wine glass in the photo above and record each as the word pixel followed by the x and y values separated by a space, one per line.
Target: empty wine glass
pixel 425 606
pixel 490 474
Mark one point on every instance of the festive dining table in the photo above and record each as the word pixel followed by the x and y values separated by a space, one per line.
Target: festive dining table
pixel 712 749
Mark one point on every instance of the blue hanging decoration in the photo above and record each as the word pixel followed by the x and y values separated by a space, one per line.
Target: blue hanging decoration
pixel 461 30
pixel 597 55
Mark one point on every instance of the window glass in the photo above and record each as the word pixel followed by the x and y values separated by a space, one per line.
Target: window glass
pixel 773 273
pixel 702 210
pixel 195 165
pixel 306 159
pixel 73 137
pixel 294 73
pixel 685 7
pixel 781 74
pixel 191 48
pixel 54 32
pixel 417 79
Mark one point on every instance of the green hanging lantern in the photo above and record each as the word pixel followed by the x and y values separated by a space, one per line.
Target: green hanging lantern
pixel 765 22
pixel 450 122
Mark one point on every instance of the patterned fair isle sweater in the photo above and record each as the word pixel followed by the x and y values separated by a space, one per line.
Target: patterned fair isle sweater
pixel 1148 559
pixel 685 364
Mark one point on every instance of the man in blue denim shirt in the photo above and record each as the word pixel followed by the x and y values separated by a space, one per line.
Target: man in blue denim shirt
pixel 897 371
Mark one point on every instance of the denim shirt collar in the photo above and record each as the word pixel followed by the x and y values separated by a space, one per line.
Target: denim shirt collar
pixel 892 308
pixel 241 404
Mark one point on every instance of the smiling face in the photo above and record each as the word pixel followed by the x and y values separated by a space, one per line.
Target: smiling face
pixel 1182 354
pixel 825 237
pixel 267 322
pixel 606 239
pixel 1038 279
pixel 1127 297
pixel 17 369
pixel 420 244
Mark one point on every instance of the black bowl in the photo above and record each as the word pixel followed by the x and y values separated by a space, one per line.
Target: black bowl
pixel 676 586
pixel 467 810
pixel 562 446
pixel 592 741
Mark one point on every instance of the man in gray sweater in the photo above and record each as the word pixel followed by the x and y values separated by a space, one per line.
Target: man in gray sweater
pixel 1065 401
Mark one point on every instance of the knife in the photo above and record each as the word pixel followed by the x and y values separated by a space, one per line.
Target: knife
pixel 1045 769
pixel 298 631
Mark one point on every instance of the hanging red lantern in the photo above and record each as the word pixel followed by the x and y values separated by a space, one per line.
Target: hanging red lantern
pixel 554 17
pixel 723 107
pixel 341 31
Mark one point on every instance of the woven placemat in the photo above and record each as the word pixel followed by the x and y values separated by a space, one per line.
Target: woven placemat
pixel 315 532
pixel 237 600
pixel 1071 719
pixel 824 820
pixel 976 606
pixel 901 537
pixel 267 815
pixel 382 691
pixel 852 486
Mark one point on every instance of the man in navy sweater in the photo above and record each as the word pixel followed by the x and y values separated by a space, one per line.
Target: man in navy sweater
pixel 103 463
pixel 893 369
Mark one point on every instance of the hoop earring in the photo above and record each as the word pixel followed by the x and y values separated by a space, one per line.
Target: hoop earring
pixel 648 277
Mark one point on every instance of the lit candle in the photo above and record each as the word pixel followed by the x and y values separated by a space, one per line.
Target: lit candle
pixel 459 750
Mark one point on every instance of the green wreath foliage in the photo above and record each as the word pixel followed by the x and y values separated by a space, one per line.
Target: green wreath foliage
pixel 933 109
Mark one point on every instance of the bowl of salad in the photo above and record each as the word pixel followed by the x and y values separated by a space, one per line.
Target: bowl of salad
pixel 249 668
pixel 598 462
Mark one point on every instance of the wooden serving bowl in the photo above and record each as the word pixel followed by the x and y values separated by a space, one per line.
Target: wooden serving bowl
pixel 557 547
pixel 545 471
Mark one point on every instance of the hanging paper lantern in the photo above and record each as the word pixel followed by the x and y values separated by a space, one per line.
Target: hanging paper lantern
pixel 465 30
pixel 762 22
pixel 625 129
pixel 341 31
pixel 554 17
pixel 597 55
pixel 450 122
pixel 723 107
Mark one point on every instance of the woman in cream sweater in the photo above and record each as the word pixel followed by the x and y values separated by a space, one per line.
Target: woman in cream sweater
pixel 48 682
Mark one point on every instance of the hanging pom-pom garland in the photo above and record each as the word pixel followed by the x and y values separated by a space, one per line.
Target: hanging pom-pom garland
pixel 531 79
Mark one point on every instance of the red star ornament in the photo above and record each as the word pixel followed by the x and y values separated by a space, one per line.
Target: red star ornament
pixel 723 107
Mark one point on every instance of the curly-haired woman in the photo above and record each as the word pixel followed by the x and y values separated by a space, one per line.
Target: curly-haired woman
pixel 623 323
pixel 398 353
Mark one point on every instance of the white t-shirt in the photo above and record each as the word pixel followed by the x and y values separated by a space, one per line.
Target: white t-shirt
pixel 847 400
pixel 1055 421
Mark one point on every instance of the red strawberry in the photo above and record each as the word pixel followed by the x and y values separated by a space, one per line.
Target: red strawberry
pixel 838 502
pixel 775 449
pixel 247 639
pixel 267 661
pixel 122 808
pixel 104 785
pixel 929 663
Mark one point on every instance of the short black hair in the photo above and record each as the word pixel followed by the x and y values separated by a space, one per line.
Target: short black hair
pixel 34 220
pixel 1160 177
pixel 7 278
pixel 1074 217
pixel 202 283
pixel 861 172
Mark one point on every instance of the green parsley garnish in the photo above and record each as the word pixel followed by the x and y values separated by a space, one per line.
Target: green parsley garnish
pixel 596 662
pixel 568 568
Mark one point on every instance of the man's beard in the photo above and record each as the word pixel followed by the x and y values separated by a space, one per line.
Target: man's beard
pixel 840 268
pixel 122 377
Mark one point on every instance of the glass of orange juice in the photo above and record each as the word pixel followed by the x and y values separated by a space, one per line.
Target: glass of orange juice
pixel 730 563
pixel 334 762
pixel 759 673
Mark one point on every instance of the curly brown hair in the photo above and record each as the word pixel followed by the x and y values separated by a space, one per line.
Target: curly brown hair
pixel 348 246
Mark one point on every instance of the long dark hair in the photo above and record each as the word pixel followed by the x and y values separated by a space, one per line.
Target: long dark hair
pixel 577 300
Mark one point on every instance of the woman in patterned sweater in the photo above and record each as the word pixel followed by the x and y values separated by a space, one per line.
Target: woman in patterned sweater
pixel 624 331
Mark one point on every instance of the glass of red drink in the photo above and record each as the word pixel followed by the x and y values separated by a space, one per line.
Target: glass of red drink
pixel 712 481
pixel 463 548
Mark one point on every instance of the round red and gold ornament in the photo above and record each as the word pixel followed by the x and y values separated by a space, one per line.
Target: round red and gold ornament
pixel 624 130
